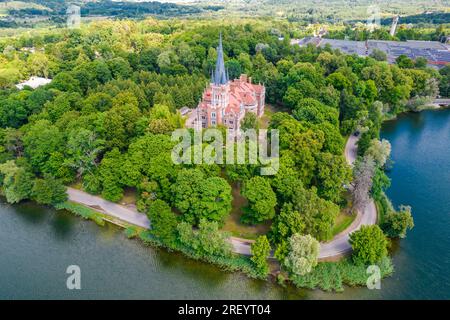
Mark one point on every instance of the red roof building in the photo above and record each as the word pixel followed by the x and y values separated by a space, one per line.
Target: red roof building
pixel 227 101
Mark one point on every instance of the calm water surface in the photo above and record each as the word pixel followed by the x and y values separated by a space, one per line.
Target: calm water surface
pixel 37 244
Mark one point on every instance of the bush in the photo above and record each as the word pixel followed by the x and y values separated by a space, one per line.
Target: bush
pixel 369 245
pixel 131 232
pixel 16 181
pixel 396 223
pixel 92 183
pixel 332 276
pixel 260 252
pixel 49 191
pixel 303 254
pixel 82 211
pixel 230 263
pixel 163 221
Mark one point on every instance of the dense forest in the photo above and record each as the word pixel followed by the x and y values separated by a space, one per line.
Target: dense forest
pixel 419 20
pixel 423 18
pixel 30 12
pixel 104 124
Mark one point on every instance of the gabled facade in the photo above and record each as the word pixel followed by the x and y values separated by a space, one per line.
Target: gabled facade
pixel 227 101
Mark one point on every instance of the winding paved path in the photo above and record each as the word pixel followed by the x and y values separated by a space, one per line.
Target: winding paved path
pixel 123 213
pixel 340 245
pixel 333 249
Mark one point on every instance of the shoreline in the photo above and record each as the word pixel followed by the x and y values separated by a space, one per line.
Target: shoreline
pixel 232 264
pixel 432 107
pixel 332 250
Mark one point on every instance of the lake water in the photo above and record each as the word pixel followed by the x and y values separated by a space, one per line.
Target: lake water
pixel 38 244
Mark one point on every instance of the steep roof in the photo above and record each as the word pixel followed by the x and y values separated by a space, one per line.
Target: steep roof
pixel 220 75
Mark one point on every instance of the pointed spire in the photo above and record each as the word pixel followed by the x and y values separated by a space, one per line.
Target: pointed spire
pixel 220 74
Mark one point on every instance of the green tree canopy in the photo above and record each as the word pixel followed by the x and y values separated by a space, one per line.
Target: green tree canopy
pixel 199 197
pixel 208 240
pixel 49 191
pixel 396 223
pixel 261 200
pixel 369 244
pixel 303 254
pixel 163 221
pixel 260 252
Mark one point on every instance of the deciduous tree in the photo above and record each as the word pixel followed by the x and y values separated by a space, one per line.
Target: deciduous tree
pixel 369 244
pixel 260 252
pixel 303 254
pixel 397 223
pixel 199 197
pixel 261 200
pixel 163 221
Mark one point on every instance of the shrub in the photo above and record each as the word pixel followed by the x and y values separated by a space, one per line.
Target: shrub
pixel 332 276
pixel 82 211
pixel 49 191
pixel 260 252
pixel 163 221
pixel 207 240
pixel 303 254
pixel 396 223
pixel 369 245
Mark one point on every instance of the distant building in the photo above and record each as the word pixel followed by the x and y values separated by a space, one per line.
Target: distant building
pixel 227 101
pixel 436 53
pixel 28 49
pixel 33 82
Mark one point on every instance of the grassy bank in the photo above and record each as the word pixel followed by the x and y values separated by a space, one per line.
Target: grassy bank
pixel 384 206
pixel 327 276
pixel 234 263
pixel 82 211
pixel 343 221
pixel 333 276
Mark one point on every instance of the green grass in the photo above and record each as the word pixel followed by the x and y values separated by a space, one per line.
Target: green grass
pixel 84 212
pixel 383 205
pixel 133 231
pixel 333 276
pixel 233 263
pixel 343 221
pixel 233 222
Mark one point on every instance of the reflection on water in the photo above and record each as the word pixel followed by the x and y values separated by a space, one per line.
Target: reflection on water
pixel 28 213
pixel 62 226
pixel 37 244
